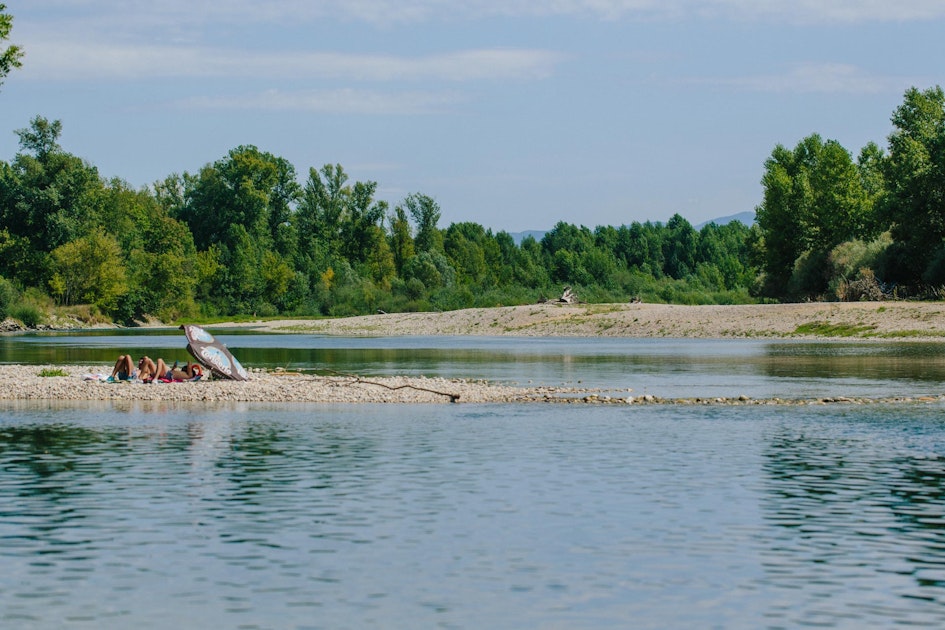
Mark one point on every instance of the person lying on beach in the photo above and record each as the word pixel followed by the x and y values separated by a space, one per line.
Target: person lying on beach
pixel 125 369
pixel 148 370
pixel 162 372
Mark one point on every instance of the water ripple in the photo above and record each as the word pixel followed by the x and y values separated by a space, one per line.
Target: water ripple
pixel 471 516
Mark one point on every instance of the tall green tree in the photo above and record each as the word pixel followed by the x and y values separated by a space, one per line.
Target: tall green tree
pixel 321 212
pixel 473 252
pixel 915 180
pixel 249 187
pixel 680 247
pixel 401 239
pixel 838 209
pixel 815 198
pixel 779 220
pixel 361 220
pixel 46 197
pixel 426 213
pixel 240 204
pixel 640 246
pixel 89 270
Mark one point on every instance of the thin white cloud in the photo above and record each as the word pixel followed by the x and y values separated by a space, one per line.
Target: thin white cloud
pixel 830 11
pixel 80 60
pixel 179 15
pixel 821 78
pixel 341 101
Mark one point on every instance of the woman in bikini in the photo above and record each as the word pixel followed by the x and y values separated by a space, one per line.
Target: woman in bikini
pixel 162 372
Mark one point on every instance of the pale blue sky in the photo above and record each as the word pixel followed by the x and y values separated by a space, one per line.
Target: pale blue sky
pixel 514 114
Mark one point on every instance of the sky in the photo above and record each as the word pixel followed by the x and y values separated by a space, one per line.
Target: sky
pixel 514 114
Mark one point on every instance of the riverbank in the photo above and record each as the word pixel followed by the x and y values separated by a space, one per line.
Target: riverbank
pixel 81 383
pixel 817 320
pixel 866 320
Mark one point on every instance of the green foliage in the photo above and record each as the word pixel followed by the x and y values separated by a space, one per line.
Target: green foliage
pixel 815 198
pixel 915 177
pixel 401 240
pixel 47 199
pixel 11 56
pixel 89 270
pixel 426 214
pixel 824 329
pixel 8 297
pixel 28 313
pixel 850 268
pixel 47 372
pixel 241 237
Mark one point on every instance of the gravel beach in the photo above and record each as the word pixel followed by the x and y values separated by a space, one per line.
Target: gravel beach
pixel 23 382
pixel 865 320
pixel 875 320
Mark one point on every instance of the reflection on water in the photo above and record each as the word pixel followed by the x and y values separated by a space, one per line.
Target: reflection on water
pixel 144 515
pixel 858 513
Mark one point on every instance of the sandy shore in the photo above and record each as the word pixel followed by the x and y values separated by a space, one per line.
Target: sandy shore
pixel 867 320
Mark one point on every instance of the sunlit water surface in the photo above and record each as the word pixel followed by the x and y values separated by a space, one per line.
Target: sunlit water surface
pixel 471 516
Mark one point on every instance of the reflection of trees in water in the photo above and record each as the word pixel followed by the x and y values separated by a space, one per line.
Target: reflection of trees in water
pixel 63 481
pixel 263 456
pixel 46 471
pixel 853 526
pixel 918 501
pixel 48 459
pixel 910 361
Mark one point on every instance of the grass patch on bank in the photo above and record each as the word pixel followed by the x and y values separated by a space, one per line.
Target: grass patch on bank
pixel 910 334
pixel 825 329
pixel 55 372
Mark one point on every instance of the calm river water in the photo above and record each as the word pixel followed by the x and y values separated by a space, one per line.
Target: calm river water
pixel 485 516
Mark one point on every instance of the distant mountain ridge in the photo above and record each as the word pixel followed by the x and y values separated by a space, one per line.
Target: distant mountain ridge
pixel 747 218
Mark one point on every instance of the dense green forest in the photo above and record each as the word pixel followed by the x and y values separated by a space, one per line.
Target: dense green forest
pixel 244 236
pixel 247 236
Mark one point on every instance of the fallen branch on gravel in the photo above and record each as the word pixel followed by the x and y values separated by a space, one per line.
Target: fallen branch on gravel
pixel 357 379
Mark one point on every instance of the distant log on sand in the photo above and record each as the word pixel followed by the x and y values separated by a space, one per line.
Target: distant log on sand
pixel 567 297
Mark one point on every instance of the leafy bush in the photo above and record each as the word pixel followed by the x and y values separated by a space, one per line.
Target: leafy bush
pixel 29 314
pixel 810 277
pixel 934 274
pixel 864 288
pixel 8 297
pixel 852 269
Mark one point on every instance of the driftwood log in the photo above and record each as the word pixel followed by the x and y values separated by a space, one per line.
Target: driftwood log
pixel 567 297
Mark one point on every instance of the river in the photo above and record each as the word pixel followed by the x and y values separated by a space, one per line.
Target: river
pixel 144 515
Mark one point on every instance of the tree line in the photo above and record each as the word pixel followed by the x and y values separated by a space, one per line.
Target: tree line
pixel 244 236
pixel 247 236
